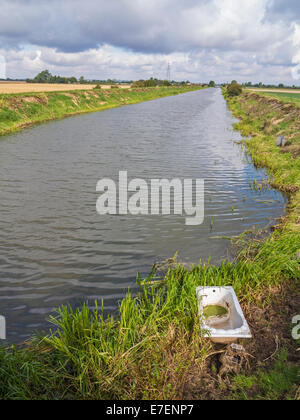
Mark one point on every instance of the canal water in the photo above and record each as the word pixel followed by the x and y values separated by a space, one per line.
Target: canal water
pixel 54 247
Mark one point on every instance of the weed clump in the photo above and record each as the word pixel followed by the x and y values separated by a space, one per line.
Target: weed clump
pixel 234 89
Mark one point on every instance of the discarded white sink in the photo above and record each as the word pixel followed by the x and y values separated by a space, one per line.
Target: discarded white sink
pixel 228 323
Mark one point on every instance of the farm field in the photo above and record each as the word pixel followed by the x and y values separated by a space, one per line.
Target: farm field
pixel 23 87
pixel 288 96
pixel 293 91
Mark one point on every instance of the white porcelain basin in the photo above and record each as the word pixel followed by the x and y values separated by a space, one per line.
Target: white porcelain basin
pixel 229 327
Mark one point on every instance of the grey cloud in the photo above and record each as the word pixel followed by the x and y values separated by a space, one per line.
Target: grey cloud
pixel 231 39
pixel 159 26
pixel 286 10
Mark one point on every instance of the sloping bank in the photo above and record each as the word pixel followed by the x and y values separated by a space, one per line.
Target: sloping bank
pixel 153 349
pixel 18 111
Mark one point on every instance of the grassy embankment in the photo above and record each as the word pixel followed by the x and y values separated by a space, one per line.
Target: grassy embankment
pixel 154 348
pixel 18 111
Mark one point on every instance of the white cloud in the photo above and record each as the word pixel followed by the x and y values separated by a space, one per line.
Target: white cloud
pixel 129 39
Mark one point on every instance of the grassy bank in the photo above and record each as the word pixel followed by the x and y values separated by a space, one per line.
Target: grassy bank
pixel 18 111
pixel 154 349
pixel 264 118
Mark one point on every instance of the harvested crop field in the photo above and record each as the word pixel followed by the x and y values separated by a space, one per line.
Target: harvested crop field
pixel 274 90
pixel 22 87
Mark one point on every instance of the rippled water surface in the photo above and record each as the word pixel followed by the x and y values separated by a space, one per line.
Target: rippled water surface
pixel 55 248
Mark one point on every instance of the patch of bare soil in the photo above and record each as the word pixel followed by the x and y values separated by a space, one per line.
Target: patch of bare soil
pixel 74 98
pixel 294 149
pixel 271 324
pixel 289 189
pixel 16 103
pixel 35 99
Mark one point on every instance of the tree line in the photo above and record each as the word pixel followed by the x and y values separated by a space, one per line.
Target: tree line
pixel 46 77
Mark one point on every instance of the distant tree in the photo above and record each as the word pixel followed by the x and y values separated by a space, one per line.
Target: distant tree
pixel 46 77
pixel 281 85
pixel 234 82
pixel 212 83
pixel 81 80
pixel 138 84
pixel 234 89
pixel 72 80
pixel 43 77
pixel 111 82
pixel 151 83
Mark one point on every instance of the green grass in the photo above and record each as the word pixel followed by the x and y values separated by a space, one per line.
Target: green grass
pixel 28 375
pixel 21 110
pixel 279 383
pixel 147 351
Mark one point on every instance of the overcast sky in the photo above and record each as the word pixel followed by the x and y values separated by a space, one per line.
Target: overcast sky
pixel 246 40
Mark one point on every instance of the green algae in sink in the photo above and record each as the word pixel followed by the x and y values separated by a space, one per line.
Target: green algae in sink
pixel 214 311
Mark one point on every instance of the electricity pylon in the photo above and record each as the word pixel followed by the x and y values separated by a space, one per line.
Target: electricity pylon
pixel 169 72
